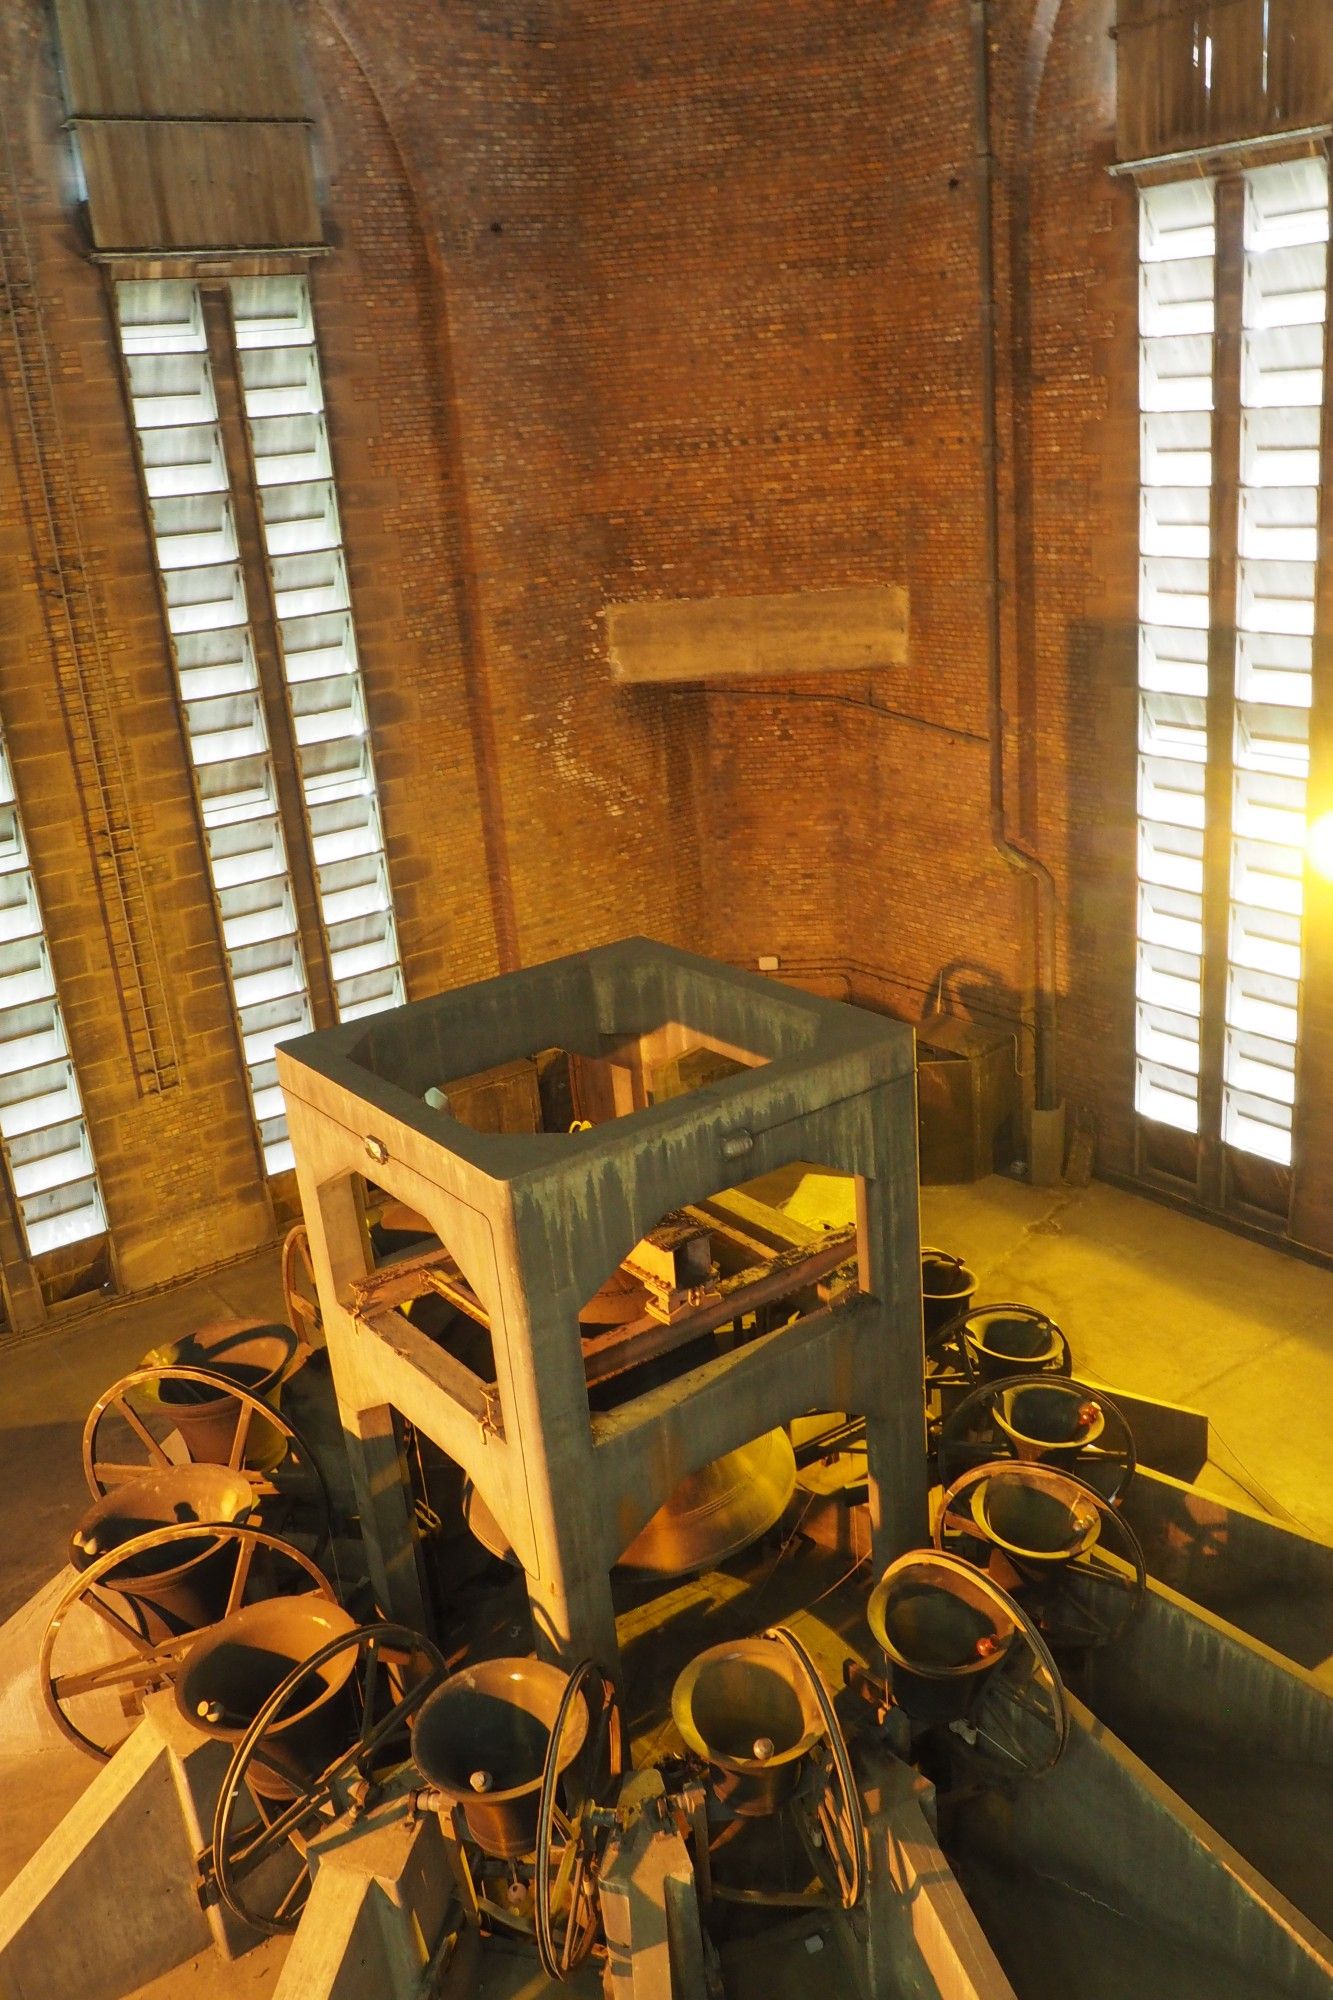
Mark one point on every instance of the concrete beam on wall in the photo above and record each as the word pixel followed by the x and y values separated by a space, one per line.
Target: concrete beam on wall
pixel 857 628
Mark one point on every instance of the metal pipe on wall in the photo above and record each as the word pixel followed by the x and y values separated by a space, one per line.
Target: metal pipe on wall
pixel 1015 856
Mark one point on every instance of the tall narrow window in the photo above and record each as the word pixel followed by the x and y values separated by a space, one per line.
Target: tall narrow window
pixel 185 472
pixel 42 1125
pixel 1176 250
pixel 196 472
pixel 1281 393
pixel 1225 777
pixel 284 406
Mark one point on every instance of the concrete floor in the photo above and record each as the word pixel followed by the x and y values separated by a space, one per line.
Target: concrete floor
pixel 1151 1300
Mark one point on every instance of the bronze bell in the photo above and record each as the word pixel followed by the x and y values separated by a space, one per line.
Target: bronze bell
pixel 718 1510
pixel 1049 1421
pixel 255 1355
pixel 746 1708
pixel 1010 1340
pixel 712 1513
pixel 481 1741
pixel 947 1288
pixel 1035 1522
pixel 228 1675
pixel 183 1584
pixel 942 1633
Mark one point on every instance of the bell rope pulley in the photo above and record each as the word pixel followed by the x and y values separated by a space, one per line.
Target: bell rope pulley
pixel 841 1848
pixel 1043 1419
pixel 1053 1542
pixel 374 1678
pixel 132 1664
pixel 965 1656
pixel 300 1293
pixel 293 1495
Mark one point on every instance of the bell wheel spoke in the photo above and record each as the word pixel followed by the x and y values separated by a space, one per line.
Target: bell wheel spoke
pixel 119 1625
pixel 1096 1569
pixel 285 1906
pixel 114 1472
pixel 131 1417
pixel 116 1673
pixel 240 1436
pixel 245 1556
pixel 249 1852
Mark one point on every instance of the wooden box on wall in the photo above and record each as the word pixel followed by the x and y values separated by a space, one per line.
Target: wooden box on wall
pixel 967 1101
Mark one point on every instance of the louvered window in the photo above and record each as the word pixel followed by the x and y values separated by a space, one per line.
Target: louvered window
pixel 284 406
pixel 42 1126
pixel 1224 761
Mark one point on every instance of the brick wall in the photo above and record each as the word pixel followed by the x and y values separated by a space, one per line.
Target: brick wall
pixel 631 301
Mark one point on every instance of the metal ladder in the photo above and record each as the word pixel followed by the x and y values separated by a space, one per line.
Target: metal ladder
pixel 78 649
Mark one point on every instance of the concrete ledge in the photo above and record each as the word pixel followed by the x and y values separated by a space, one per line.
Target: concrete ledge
pixel 858 627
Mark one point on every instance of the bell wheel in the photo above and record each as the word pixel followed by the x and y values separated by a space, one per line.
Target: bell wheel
pixel 132 1429
pixel 1043 1419
pixel 834 1824
pixel 300 1293
pixel 574 1823
pixel 98 1661
pixel 271 1806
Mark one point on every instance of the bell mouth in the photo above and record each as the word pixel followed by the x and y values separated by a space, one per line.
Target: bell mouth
pixel 710 1516
pixel 397 1219
pixel 1011 1336
pixel 245 1659
pixel 1034 1523
pixel 254 1358
pixel 937 1624
pixel 739 1696
pixel 212 1495
pixel 1049 1417
pixel 494 1721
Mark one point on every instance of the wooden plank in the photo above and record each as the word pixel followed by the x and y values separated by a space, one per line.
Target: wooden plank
pixel 764 1378
pixel 647 1339
pixel 772 1226
pixel 1198 72
pixel 1182 35
pixel 858 628
pixel 1237 102
pixel 181 58
pixel 1300 63
pixel 1137 78
pixel 199 187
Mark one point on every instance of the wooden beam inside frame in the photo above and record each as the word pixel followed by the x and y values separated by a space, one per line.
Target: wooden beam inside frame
pixel 376 1303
